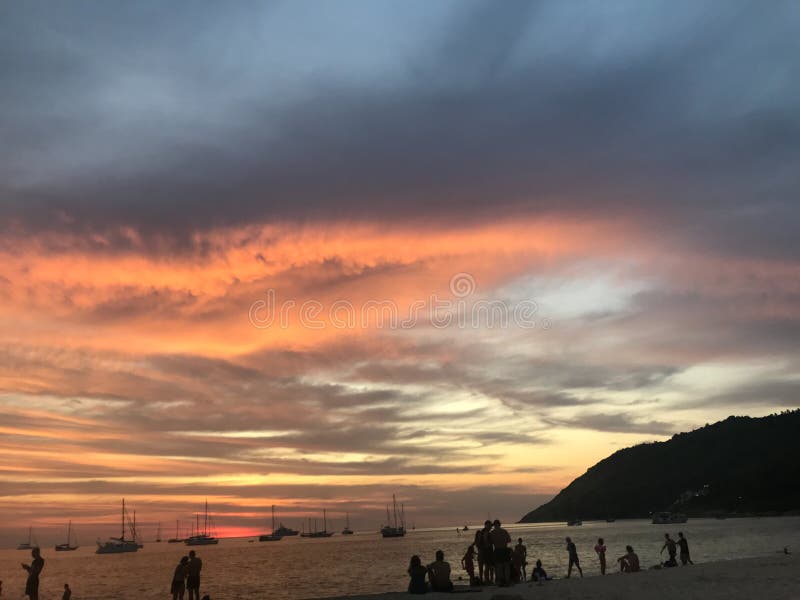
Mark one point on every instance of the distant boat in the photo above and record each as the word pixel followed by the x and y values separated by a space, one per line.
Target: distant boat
pixel 668 518
pixel 574 523
pixel 610 520
pixel 202 539
pixel 120 544
pixel 347 530
pixel 285 531
pixel 319 533
pixel 67 546
pixel 177 539
pixel 271 537
pixel 30 544
pixel 394 527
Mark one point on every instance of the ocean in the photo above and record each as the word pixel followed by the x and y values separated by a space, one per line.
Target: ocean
pixel 298 568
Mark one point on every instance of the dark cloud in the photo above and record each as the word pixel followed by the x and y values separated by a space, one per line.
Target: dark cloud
pixel 614 422
pixel 499 114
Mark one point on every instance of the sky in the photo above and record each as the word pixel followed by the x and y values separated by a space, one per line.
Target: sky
pixel 312 254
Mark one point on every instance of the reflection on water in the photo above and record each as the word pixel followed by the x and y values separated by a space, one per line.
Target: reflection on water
pixel 296 568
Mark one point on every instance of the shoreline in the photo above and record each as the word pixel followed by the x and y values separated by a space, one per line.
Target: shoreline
pixel 776 577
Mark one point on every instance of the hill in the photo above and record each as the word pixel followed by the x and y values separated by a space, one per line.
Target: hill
pixel 741 465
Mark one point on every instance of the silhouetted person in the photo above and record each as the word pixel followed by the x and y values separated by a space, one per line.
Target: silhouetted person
pixel 600 548
pixel 417 574
pixel 484 547
pixel 193 568
pixel 67 595
pixel 439 574
pixel 573 558
pixel 538 573
pixel 685 557
pixel 628 562
pixel 672 550
pixel 33 569
pixel 468 563
pixel 500 539
pixel 179 579
pixel 519 559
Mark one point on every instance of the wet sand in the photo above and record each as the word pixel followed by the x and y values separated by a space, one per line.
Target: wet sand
pixel 775 577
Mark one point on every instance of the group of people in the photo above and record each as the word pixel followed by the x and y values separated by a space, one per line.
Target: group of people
pixel 187 578
pixel 32 582
pixel 495 557
pixel 500 564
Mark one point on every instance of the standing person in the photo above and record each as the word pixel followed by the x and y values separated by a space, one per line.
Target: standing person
pixel 67 595
pixel 193 568
pixel 500 539
pixel 573 558
pixel 417 574
pixel 468 562
pixel 179 579
pixel 520 559
pixel 672 550
pixel 33 569
pixel 439 574
pixel 685 558
pixel 600 548
pixel 484 548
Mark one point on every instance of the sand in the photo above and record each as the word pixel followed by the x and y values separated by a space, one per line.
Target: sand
pixel 773 577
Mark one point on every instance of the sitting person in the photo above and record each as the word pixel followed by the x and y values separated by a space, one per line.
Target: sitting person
pixel 439 574
pixel 629 562
pixel 417 573
pixel 538 573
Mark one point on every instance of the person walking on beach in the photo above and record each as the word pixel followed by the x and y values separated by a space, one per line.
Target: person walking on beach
pixel 672 550
pixel 600 549
pixel 193 568
pixel 520 560
pixel 468 563
pixel 34 570
pixel 179 579
pixel 439 574
pixel 573 558
pixel 417 574
pixel 685 558
pixel 484 547
pixel 500 539
pixel 628 562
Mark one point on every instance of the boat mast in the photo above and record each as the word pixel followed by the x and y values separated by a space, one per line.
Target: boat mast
pixel 122 537
pixel 273 519
pixel 324 520
pixel 394 509
pixel 205 521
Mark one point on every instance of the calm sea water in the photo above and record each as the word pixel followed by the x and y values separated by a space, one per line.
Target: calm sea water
pixel 297 568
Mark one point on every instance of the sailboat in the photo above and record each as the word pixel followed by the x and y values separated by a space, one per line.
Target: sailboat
pixel 177 537
pixel 317 533
pixel 158 532
pixel 394 528
pixel 347 530
pixel 66 546
pixel 30 544
pixel 271 537
pixel 120 544
pixel 201 539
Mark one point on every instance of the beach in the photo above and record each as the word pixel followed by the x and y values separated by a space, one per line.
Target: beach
pixel 775 577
